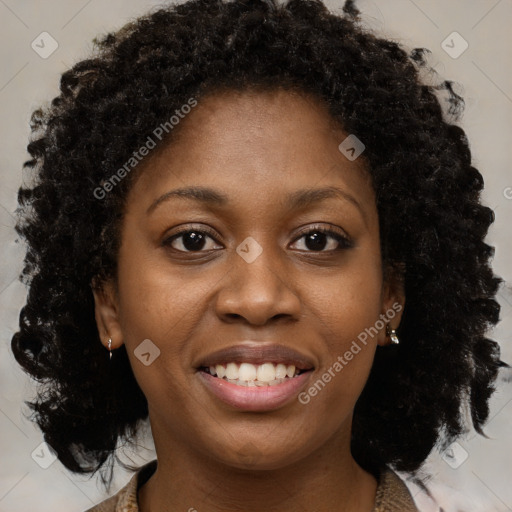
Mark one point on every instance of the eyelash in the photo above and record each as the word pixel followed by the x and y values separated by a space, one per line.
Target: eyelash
pixel 342 239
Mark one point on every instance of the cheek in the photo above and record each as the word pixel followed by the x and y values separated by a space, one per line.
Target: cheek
pixel 350 302
pixel 164 305
pixel 348 309
pixel 157 300
pixel 161 304
pixel 165 309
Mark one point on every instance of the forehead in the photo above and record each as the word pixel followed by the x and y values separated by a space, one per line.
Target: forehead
pixel 256 142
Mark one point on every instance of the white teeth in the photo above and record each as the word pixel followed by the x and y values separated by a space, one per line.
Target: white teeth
pixel 232 371
pixel 266 372
pixel 220 371
pixel 280 371
pixel 247 374
pixel 257 383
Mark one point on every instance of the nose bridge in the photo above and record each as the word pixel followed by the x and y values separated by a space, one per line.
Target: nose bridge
pixel 257 265
pixel 257 287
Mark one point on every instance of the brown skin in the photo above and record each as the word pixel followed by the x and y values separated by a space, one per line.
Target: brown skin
pixel 256 148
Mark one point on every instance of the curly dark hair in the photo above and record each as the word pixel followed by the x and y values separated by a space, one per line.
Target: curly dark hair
pixel 432 224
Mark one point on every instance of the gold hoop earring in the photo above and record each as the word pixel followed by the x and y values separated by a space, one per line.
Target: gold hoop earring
pixel 392 334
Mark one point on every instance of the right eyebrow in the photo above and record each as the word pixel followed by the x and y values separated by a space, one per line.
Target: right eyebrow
pixel 203 194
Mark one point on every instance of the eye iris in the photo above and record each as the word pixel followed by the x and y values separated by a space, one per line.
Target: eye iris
pixel 193 241
pixel 316 241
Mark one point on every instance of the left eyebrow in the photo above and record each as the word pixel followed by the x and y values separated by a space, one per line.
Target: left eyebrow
pixel 306 197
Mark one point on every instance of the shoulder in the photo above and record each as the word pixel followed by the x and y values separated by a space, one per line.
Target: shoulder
pixel 392 494
pixel 125 500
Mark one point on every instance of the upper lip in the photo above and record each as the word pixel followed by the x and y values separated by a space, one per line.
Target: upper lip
pixel 257 353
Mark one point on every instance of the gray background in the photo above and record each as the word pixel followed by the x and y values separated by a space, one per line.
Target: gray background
pixel 475 475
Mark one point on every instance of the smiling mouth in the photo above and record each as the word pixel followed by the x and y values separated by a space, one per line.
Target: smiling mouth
pixel 254 375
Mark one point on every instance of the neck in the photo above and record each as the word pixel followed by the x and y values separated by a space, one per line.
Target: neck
pixel 328 479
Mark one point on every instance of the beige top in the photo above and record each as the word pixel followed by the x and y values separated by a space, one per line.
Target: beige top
pixel 392 494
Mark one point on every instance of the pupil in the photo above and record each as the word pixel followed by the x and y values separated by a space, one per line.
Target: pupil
pixel 317 241
pixel 193 241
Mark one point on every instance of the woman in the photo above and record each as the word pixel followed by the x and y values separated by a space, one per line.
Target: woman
pixel 253 224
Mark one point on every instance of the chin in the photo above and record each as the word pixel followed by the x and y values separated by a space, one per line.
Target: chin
pixel 260 454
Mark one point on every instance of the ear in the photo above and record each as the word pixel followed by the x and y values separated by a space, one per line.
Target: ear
pixel 393 301
pixel 106 313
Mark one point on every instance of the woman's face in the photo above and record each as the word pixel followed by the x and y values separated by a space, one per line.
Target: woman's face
pixel 252 282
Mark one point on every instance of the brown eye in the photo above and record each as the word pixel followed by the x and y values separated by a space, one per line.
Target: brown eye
pixel 320 239
pixel 190 240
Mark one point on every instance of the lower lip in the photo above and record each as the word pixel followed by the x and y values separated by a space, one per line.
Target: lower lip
pixel 264 398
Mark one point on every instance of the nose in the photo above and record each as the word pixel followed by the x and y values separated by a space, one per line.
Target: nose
pixel 258 292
